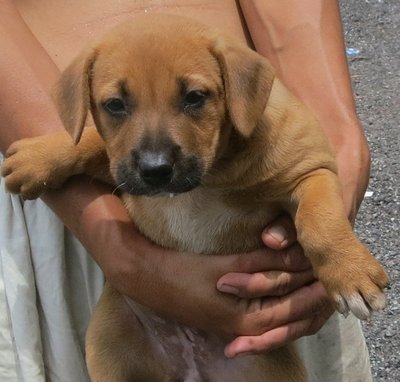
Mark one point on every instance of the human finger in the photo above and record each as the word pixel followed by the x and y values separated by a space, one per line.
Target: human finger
pixel 277 337
pixel 260 284
pixel 264 314
pixel 281 233
pixel 291 259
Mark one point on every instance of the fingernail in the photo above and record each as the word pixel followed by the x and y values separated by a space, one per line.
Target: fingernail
pixel 228 289
pixel 278 233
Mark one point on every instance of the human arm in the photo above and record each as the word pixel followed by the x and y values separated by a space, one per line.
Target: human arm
pixel 304 42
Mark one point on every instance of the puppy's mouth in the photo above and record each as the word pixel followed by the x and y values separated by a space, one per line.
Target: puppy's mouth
pixel 159 179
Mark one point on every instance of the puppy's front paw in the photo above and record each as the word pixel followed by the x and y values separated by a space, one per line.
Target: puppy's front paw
pixel 32 165
pixel 355 284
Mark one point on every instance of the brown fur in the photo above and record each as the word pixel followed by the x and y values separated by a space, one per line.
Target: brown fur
pixel 260 150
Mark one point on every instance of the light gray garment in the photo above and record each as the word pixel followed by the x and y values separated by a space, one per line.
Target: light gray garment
pixel 337 353
pixel 49 285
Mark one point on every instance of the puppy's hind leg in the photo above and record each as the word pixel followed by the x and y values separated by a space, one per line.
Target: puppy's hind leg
pixel 117 348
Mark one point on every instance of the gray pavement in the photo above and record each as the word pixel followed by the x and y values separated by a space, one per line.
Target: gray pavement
pixel 372 29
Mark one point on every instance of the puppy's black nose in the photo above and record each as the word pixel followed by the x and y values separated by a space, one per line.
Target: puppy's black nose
pixel 156 169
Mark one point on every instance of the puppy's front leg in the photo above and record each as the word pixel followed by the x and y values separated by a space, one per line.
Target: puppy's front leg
pixel 33 165
pixel 352 277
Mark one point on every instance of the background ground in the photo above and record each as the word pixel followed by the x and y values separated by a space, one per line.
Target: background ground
pixel 372 27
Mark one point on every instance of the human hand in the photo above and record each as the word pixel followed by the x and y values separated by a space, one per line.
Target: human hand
pixel 298 304
pixel 182 287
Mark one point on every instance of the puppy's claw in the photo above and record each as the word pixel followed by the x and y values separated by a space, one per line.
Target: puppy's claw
pixel 358 306
pixel 341 305
pixel 361 307
pixel 377 302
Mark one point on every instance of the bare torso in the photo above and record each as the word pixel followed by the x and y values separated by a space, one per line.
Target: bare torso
pixel 65 27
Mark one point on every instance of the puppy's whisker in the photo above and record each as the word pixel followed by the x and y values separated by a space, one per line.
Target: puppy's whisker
pixel 188 180
pixel 119 186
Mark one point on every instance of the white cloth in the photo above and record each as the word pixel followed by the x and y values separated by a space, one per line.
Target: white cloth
pixel 337 353
pixel 49 285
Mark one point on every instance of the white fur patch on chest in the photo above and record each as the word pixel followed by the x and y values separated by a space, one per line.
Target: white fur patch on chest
pixel 199 222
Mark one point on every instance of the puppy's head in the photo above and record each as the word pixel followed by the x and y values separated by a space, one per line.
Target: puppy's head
pixel 165 93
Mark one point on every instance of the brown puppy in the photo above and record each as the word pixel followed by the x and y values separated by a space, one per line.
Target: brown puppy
pixel 185 112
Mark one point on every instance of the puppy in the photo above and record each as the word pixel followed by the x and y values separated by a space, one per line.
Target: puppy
pixel 183 111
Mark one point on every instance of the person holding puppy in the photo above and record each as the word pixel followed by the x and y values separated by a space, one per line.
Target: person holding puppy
pixel 294 305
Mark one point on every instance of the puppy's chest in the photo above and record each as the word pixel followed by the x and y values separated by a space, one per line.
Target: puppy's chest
pixel 199 222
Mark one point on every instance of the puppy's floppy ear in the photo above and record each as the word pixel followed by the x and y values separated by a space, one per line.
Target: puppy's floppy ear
pixel 72 93
pixel 247 78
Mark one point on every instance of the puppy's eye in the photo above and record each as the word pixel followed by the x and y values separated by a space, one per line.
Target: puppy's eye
pixel 195 98
pixel 115 107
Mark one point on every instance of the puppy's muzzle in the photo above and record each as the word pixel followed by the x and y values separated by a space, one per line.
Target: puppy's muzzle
pixel 155 168
pixel 159 171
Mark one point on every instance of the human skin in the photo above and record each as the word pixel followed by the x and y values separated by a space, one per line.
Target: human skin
pixel 295 305
pixel 304 42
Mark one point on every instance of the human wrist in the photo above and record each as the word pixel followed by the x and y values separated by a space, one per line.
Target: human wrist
pixel 353 159
pixel 348 141
pixel 95 216
pixel 102 224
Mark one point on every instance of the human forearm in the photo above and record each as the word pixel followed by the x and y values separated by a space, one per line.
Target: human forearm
pixel 304 41
pixel 100 221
